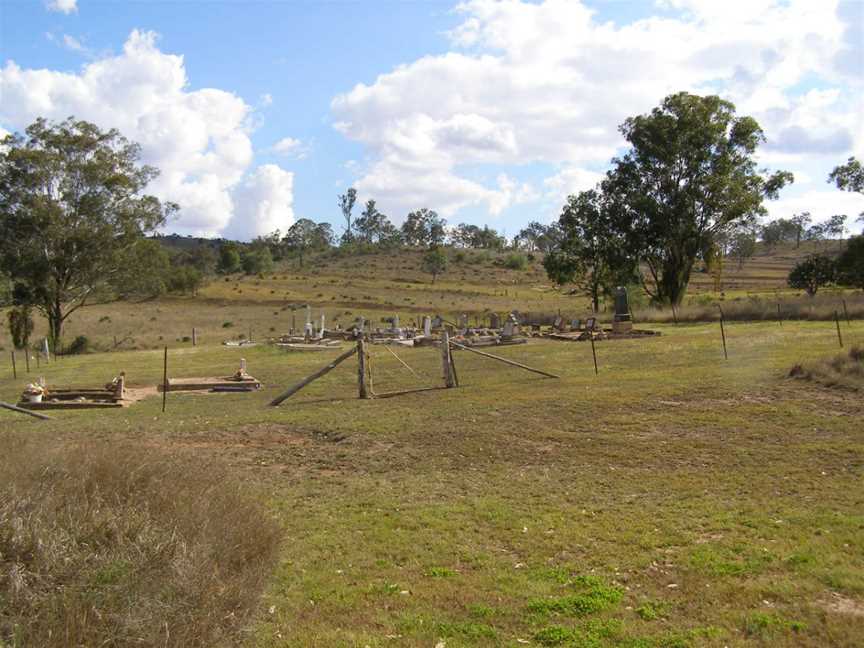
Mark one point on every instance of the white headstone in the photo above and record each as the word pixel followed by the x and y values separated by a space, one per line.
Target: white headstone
pixel 427 325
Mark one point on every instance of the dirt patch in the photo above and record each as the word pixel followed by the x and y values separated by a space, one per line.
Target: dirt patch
pixel 132 395
pixel 840 604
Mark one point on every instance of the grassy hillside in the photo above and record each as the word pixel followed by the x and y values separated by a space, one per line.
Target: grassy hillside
pixel 381 285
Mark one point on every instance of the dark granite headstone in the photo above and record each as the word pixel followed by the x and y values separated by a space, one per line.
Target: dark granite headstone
pixel 622 305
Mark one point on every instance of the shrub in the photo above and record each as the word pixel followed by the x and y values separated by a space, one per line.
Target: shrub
pixel 121 545
pixel 80 344
pixel 516 261
pixel 812 273
pixel 20 326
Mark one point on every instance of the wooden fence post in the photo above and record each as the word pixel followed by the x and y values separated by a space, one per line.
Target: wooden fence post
pixel 779 316
pixel 27 357
pixel 324 370
pixel 165 379
pixel 837 322
pixel 846 313
pixel 446 361
pixel 194 337
pixel 723 332
pixel 362 378
pixel 594 353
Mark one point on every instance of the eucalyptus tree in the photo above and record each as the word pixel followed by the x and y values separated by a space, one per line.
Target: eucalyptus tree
pixel 73 214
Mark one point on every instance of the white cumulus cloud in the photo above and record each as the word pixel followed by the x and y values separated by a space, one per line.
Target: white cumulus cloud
pixel 548 82
pixel 62 6
pixel 289 146
pixel 198 139
pixel 263 203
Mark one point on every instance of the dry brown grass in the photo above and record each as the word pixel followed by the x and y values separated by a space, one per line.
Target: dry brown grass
pixel 760 308
pixel 121 545
pixel 845 370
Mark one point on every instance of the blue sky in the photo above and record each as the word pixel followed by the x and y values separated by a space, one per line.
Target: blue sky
pixel 487 112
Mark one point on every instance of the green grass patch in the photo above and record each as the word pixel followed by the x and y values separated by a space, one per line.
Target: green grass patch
pixel 592 595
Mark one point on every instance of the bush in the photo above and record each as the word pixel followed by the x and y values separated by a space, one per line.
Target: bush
pixel 80 344
pixel 812 273
pixel 109 544
pixel 257 262
pixel 20 326
pixel 516 261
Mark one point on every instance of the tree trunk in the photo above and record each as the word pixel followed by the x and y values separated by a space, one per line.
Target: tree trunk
pixel 595 297
pixel 55 325
pixel 673 283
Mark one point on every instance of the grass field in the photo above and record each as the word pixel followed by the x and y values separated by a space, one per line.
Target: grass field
pixel 676 499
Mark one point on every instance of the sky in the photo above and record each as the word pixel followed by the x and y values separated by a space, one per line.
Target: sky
pixel 259 113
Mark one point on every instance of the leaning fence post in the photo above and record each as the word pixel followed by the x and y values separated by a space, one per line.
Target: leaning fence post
pixel 779 316
pixel 723 332
pixel 14 369
pixel 594 353
pixel 27 357
pixel 846 313
pixel 837 322
pixel 446 361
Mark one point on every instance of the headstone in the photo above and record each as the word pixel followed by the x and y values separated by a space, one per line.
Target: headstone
pixel 322 324
pixel 622 322
pixel 395 321
pixel 590 323
pixel 558 323
pixel 494 321
pixel 622 305
pixel 462 321
pixel 427 325
pixel 437 322
pixel 308 314
pixel 511 327
pixel 576 324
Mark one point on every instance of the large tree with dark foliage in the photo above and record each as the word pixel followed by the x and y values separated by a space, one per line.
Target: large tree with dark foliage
pixel 850 264
pixel 812 273
pixel 591 252
pixel 72 214
pixel 689 175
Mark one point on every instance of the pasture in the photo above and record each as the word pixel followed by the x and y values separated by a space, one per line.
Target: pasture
pixel 675 499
